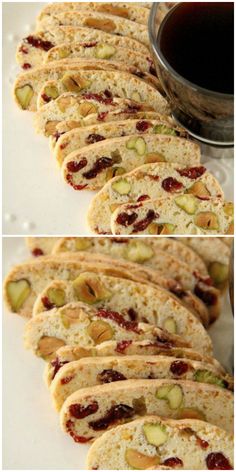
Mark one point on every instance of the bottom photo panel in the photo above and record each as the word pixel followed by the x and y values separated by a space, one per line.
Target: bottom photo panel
pixel 118 353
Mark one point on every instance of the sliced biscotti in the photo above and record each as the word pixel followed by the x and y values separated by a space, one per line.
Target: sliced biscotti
pixel 99 21
pixel 216 257
pixel 77 324
pixel 88 413
pixel 79 137
pixel 26 281
pixel 134 301
pixel 66 354
pixel 88 372
pixel 140 252
pixel 149 182
pixel 132 112
pixel 102 50
pixel 129 11
pixel 88 168
pixel 75 78
pixel 153 442
pixel 184 214
pixel 33 49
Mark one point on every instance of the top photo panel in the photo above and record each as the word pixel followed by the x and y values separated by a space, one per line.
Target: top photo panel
pixel 118 118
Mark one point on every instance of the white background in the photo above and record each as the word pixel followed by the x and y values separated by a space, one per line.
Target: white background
pixel 32 438
pixel 35 198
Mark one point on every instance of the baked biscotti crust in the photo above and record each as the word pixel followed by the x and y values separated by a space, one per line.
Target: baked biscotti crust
pixel 88 372
pixel 182 440
pixel 67 354
pixel 134 301
pixel 147 182
pixel 214 403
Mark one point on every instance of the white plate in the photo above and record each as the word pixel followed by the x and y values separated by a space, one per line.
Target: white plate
pixel 36 199
pixel 32 437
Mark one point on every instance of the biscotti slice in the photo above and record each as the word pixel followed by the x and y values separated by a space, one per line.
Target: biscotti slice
pixel 184 214
pixel 88 413
pixel 88 168
pixel 66 354
pixel 149 182
pixel 129 11
pixel 146 253
pixel 79 137
pixel 132 112
pixel 153 442
pixel 88 372
pixel 228 241
pixel 102 50
pixel 26 281
pixel 77 324
pixel 33 49
pixel 99 21
pixel 52 89
pixel 216 257
pixel 135 302
pixel 117 83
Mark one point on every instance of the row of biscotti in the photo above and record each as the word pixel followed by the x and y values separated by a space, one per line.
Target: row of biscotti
pixel 69 23
pixel 159 266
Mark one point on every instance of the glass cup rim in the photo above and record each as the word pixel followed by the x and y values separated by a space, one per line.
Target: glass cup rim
pixel 155 43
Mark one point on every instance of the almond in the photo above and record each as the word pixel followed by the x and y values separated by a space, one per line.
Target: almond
pixel 102 24
pixel 47 347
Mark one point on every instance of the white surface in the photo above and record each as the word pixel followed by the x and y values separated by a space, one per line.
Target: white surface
pixel 32 437
pixel 36 200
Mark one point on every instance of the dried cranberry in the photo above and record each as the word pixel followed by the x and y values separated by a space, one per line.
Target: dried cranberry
pixel 79 412
pixel 153 177
pixel 98 97
pixel 76 166
pixel 94 138
pixel 57 135
pixel 132 314
pixel 101 116
pixel 143 126
pixel 57 365
pixel 173 462
pixel 122 346
pixel 24 50
pixel 107 93
pixel 143 224
pixel 192 172
pixel 171 185
pixel 45 98
pixel 203 444
pixel 119 319
pixel 78 439
pixel 132 108
pixel 26 65
pixel 152 71
pixel 64 145
pixel 39 43
pixel 110 375
pixel 37 252
pixel 113 415
pixel 206 279
pixel 205 294
pixel 46 302
pixel 179 367
pixel 165 342
pixel 67 379
pixel 101 164
pixel 125 219
pixel 89 45
pixel 69 179
pixel 217 461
